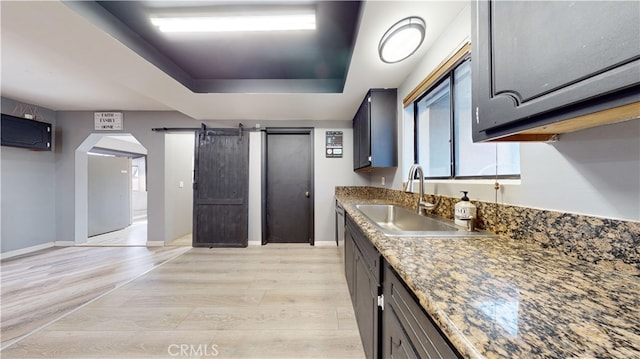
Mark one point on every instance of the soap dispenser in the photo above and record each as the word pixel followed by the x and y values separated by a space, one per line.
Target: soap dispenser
pixel 465 212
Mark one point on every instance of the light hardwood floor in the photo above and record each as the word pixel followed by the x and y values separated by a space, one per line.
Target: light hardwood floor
pixel 133 235
pixel 185 240
pixel 274 301
pixel 39 288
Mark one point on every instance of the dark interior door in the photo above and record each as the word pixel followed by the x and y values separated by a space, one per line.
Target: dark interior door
pixel 289 186
pixel 221 187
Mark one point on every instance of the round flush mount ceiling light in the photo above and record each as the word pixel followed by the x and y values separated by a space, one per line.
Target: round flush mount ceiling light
pixel 402 40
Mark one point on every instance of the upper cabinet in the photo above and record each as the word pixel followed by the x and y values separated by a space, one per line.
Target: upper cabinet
pixel 25 133
pixel 375 131
pixel 543 68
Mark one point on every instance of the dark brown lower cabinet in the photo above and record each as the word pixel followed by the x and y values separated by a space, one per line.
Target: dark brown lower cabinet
pixel 363 279
pixel 349 263
pixel 391 322
pixel 395 343
pixel 407 332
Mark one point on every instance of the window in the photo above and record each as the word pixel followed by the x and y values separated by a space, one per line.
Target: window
pixel 434 131
pixel 442 122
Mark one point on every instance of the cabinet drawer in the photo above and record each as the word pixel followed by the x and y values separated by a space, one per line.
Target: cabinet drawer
pixel 402 306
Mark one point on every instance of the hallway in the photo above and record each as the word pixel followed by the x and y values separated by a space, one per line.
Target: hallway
pixel 274 301
pixel 134 235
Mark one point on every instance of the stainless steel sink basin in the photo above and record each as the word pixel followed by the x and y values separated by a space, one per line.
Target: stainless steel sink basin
pixel 398 221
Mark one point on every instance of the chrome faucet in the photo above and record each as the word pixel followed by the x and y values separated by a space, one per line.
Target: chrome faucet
pixel 422 204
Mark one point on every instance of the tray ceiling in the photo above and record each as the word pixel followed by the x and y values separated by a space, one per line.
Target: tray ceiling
pixel 314 61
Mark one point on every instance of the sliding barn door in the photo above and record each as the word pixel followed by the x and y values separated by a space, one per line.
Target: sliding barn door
pixel 221 187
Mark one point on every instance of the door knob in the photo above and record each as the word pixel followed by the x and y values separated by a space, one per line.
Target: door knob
pixel 306 194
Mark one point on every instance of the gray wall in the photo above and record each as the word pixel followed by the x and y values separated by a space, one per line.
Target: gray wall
pixel 179 150
pixel 75 127
pixel 27 181
pixel 329 173
pixel 57 207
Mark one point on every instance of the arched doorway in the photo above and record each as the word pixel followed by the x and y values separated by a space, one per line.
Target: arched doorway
pixel 110 189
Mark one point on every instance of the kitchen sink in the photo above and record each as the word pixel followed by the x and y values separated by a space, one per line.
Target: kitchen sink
pixel 394 220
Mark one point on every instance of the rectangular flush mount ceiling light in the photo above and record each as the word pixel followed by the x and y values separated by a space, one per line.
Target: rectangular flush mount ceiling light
pixel 299 20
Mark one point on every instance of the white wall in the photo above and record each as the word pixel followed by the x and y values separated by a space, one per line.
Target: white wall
pixel 592 172
pixel 178 184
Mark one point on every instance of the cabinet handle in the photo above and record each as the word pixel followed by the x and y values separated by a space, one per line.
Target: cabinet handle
pixel 306 194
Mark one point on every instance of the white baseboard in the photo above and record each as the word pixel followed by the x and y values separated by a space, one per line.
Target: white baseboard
pixel 325 244
pixel 22 251
pixel 317 244
pixel 64 243
pixel 155 243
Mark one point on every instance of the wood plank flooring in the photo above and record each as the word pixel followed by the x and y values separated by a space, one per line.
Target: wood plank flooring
pixel 274 301
pixel 133 235
pixel 43 286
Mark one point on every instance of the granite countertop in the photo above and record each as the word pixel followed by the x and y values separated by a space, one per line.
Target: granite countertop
pixel 497 297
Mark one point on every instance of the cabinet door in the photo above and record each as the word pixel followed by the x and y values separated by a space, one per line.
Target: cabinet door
pixel 395 343
pixel 535 61
pixel 366 307
pixel 364 134
pixel 349 263
pixel 356 141
pixel 383 126
pixel 25 133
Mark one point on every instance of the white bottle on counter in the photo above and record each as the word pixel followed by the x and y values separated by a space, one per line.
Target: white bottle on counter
pixel 465 212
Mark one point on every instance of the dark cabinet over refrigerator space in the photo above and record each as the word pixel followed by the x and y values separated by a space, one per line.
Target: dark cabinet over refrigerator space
pixel 541 68
pixel 25 133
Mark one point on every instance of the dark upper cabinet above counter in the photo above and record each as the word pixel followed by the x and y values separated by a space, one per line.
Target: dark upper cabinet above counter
pixel 543 68
pixel 375 125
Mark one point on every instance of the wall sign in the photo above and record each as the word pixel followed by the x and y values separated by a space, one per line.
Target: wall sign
pixel 108 121
pixel 334 144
